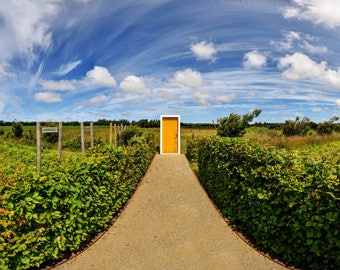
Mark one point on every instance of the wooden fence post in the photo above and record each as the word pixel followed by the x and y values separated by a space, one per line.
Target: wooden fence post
pixel 115 134
pixel 92 136
pixel 38 132
pixel 60 140
pixel 110 141
pixel 82 136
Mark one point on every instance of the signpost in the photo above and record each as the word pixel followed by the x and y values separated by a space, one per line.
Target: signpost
pixel 50 130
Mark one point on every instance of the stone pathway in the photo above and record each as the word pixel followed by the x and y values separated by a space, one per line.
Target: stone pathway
pixel 170 223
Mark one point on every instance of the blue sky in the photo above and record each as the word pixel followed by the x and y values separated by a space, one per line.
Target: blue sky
pixel 84 60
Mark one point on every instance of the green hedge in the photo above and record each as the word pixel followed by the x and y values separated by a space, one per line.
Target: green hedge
pixel 45 217
pixel 286 202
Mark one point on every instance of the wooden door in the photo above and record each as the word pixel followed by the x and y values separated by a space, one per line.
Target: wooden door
pixel 170 133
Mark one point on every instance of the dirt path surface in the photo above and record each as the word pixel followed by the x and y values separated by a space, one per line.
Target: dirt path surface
pixel 170 223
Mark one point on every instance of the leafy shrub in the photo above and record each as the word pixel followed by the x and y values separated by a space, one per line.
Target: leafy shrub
pixel 2 131
pixel 297 127
pixel 327 127
pixel 192 149
pixel 29 137
pixel 284 201
pixel 17 129
pixel 128 133
pixel 235 125
pixel 45 216
pixel 75 144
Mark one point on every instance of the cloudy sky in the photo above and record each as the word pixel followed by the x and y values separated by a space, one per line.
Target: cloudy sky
pixel 202 59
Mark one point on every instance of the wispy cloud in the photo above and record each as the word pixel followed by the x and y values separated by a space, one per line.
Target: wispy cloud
pixel 64 69
pixel 4 73
pixel 62 85
pixel 293 41
pixel 48 97
pixel 95 101
pixel 26 28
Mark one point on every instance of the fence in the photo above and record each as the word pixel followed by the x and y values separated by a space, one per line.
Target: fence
pixel 113 135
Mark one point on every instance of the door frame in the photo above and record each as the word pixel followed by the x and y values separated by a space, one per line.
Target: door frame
pixel 178 135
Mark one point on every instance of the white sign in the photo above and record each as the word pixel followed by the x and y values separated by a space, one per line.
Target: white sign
pixel 49 130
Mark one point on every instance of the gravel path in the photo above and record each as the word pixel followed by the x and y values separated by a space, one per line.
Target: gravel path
pixel 170 223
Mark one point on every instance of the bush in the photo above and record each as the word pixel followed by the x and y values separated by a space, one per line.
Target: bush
pixel 235 125
pixel 327 127
pixel 128 133
pixel 17 129
pixel 297 127
pixel 29 137
pixel 284 201
pixel 49 215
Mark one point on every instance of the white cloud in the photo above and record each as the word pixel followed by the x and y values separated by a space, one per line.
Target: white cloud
pixel 324 12
pixel 206 100
pixel 26 27
pixel 202 98
pixel 299 66
pixel 95 101
pixel 204 50
pixel 99 77
pixel 293 40
pixel 62 85
pixel 337 103
pixel 313 48
pixel 64 69
pixel 4 74
pixel 134 84
pixel 48 97
pixel 190 78
pixel 254 59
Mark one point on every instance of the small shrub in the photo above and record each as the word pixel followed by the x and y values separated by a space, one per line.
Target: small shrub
pixel 235 125
pixel 297 127
pixel 2 131
pixel 17 129
pixel 29 137
pixel 327 127
pixel 127 135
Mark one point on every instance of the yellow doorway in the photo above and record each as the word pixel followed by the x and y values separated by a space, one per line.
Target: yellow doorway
pixel 170 135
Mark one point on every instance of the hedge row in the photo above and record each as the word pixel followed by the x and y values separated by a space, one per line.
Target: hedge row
pixel 45 217
pixel 285 202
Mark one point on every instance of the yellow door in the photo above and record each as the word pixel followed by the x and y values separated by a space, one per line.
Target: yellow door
pixel 170 135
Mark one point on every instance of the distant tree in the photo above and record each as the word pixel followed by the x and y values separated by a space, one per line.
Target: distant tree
pixel 154 123
pixel 17 129
pixel 235 125
pixel 297 127
pixel 143 123
pixel 327 127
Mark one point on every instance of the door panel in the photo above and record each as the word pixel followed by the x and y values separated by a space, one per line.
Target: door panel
pixel 170 135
